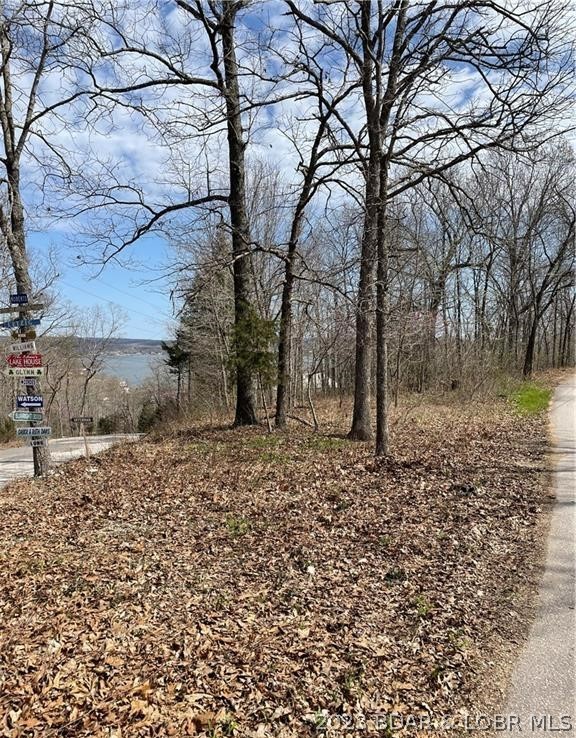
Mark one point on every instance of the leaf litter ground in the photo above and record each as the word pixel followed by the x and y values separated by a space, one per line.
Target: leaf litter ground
pixel 233 583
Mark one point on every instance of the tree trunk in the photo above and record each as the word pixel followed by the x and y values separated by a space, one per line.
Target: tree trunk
pixel 284 344
pixel 361 429
pixel 286 317
pixel 429 353
pixel 459 352
pixel 565 357
pixel 16 243
pixel 245 405
pixel 382 242
pixel 513 324
pixel 84 393
pixel 12 224
pixel 382 343
pixel 530 346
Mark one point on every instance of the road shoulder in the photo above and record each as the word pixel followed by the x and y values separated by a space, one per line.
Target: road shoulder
pixel 541 693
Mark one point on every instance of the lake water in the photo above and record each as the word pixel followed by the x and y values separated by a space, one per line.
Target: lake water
pixel 132 368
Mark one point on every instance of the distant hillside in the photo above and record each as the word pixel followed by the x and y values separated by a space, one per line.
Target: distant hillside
pixel 128 345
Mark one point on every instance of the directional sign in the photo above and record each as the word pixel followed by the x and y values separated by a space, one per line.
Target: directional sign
pixel 38 431
pixel 29 401
pixel 23 371
pixel 30 360
pixel 20 323
pixel 24 334
pixel 16 348
pixel 23 416
pixel 84 419
pixel 18 308
pixel 37 442
pixel 20 299
pixel 28 382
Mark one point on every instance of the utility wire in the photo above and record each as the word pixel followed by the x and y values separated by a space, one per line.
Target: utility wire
pixel 111 302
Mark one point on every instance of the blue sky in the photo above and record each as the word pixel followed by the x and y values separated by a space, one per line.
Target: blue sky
pixel 121 163
pixel 147 305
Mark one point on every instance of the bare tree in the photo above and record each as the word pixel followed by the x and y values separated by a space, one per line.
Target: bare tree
pixel 202 107
pixel 525 217
pixel 400 54
pixel 37 40
pixel 95 331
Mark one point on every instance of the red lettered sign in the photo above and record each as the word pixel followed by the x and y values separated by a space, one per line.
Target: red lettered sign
pixel 28 361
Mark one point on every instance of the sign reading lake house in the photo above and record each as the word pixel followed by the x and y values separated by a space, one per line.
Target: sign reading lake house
pixel 28 360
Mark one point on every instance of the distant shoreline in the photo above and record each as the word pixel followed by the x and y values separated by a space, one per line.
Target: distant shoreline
pixel 123 346
pixel 133 367
pixel 118 352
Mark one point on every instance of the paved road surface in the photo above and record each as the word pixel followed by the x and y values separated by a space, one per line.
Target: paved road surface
pixel 543 680
pixel 17 462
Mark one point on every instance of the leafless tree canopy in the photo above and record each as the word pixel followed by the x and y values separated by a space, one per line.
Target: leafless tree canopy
pixel 359 197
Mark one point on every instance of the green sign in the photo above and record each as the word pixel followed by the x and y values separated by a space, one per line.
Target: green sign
pixel 25 416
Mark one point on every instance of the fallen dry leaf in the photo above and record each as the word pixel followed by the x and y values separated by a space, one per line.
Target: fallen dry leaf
pixel 233 583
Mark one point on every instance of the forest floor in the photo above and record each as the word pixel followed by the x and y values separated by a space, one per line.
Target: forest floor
pixel 235 583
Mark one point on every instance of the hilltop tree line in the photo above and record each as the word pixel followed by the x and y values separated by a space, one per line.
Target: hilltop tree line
pixel 479 284
pixel 359 196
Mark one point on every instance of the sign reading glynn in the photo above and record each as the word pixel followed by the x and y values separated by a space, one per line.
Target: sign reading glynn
pixel 38 431
pixel 19 299
pixel 24 371
pixel 30 360
pixel 20 323
pixel 29 401
pixel 83 419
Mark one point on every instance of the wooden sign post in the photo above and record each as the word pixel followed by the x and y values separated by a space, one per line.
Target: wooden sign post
pixel 84 420
pixel 25 364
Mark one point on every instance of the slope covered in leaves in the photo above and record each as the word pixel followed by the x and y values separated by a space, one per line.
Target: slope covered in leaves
pixel 232 583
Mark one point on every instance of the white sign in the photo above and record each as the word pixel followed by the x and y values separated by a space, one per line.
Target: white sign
pixel 37 442
pixel 23 371
pixel 24 346
pixel 21 308
pixel 39 431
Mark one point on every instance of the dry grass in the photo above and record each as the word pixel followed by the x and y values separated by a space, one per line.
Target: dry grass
pixel 231 582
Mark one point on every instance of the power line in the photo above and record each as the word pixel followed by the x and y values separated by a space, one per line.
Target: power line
pixel 111 302
pixel 134 297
